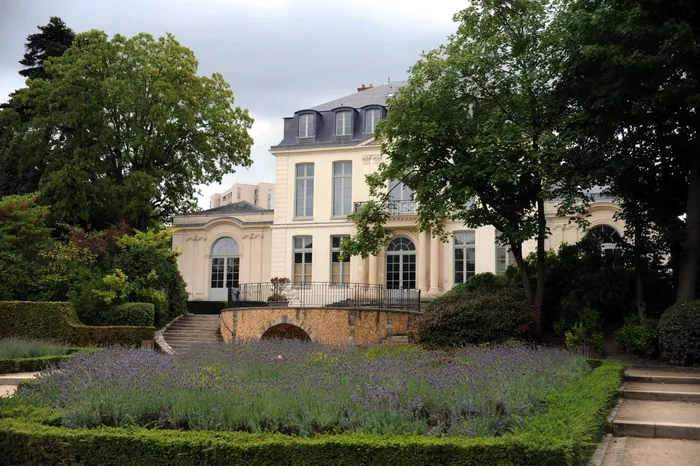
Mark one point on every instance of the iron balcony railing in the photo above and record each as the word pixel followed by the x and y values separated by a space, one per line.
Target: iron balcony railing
pixel 323 294
pixel 395 207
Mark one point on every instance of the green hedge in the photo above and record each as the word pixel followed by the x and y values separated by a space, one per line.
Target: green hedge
pixel 136 314
pixel 39 363
pixel 679 333
pixel 566 434
pixel 59 322
pixel 205 307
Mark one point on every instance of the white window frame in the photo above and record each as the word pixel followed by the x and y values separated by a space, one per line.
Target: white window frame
pixel 302 245
pixel 269 198
pixel 344 266
pixel 343 183
pixel 463 247
pixel 238 194
pixel 343 122
pixel 371 123
pixel 307 125
pixel 303 184
pixel 504 251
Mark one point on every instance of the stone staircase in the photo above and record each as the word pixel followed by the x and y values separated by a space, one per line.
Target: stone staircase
pixel 396 339
pixel 192 329
pixel 657 421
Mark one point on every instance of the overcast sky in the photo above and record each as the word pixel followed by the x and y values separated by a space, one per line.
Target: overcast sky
pixel 279 56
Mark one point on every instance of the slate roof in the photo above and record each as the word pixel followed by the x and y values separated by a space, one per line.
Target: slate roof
pixel 240 207
pixel 376 95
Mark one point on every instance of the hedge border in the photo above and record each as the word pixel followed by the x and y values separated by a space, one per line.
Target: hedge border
pixel 566 434
pixel 39 363
pixel 58 321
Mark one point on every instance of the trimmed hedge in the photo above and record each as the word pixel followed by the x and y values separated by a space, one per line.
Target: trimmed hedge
pixel 679 333
pixel 135 314
pixel 59 322
pixel 566 434
pixel 35 364
pixel 205 307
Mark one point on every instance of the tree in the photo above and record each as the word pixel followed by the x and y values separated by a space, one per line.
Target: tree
pixel 52 41
pixel 54 38
pixel 475 134
pixel 125 128
pixel 633 77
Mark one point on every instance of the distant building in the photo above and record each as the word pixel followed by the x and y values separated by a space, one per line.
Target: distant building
pixel 321 163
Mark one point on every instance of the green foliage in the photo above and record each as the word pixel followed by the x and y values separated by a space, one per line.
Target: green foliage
pixel 205 307
pixel 641 338
pixel 462 318
pixel 12 348
pixel 159 129
pixel 277 298
pixel 679 333
pixel 18 277
pixel 484 282
pixel 588 330
pixel 59 322
pixel 22 225
pixel 53 40
pixel 135 314
pixel 565 435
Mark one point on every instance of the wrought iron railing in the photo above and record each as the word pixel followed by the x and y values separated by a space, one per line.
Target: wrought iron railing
pixel 395 207
pixel 323 294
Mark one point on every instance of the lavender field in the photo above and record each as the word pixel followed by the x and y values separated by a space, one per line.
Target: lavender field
pixel 311 389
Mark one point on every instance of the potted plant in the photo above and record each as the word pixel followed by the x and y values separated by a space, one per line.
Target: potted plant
pixel 586 335
pixel 279 288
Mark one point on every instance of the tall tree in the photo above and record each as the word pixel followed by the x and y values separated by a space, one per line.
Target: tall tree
pixel 474 134
pixel 54 38
pixel 125 128
pixel 633 75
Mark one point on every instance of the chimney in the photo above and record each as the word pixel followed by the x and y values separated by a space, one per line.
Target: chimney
pixel 215 201
pixel 363 88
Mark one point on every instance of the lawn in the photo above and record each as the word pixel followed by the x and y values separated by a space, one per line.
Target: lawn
pixel 304 389
pixel 15 348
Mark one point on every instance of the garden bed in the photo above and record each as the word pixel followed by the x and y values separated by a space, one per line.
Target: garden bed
pixel 18 355
pixel 395 405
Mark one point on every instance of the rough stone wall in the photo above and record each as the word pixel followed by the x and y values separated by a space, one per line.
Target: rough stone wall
pixel 327 326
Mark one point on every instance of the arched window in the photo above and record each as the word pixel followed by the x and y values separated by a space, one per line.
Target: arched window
pixel 401 264
pixel 605 235
pixel 225 267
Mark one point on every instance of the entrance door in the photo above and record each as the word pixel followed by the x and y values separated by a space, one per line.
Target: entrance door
pixel 225 269
pixel 401 268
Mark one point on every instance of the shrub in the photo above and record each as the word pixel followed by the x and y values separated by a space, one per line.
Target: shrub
pixel 565 435
pixel 38 363
pixel 277 298
pixel 134 314
pixel 205 307
pixel 12 348
pixel 639 338
pixel 484 282
pixel 588 330
pixel 59 322
pixel 458 319
pixel 679 333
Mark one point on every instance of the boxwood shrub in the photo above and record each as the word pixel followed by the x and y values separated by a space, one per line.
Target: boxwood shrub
pixel 566 434
pixel 640 338
pixel 58 322
pixel 679 333
pixel 475 317
pixel 39 363
pixel 135 314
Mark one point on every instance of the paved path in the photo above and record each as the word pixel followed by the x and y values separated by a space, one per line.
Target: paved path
pixel 658 421
pixel 9 382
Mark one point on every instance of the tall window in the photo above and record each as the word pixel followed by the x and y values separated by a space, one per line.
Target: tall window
pixel 306 125
pixel 342 188
pixel 269 198
pixel 504 256
pixel 303 252
pixel 343 123
pixel 372 117
pixel 225 264
pixel 608 237
pixel 238 193
pixel 401 264
pixel 401 198
pixel 465 255
pixel 340 270
pixel 305 190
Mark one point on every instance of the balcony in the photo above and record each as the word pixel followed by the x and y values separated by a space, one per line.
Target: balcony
pixel 395 207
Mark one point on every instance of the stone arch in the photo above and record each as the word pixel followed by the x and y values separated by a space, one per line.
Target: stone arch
pixel 286 325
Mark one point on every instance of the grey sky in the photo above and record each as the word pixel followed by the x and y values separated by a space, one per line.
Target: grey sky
pixel 278 55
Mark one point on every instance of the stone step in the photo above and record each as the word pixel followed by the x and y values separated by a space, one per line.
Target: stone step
pixel 7 390
pixel 662 376
pixel 175 341
pixel 659 419
pixel 661 391
pixel 200 317
pixel 16 378
pixel 178 331
pixel 630 451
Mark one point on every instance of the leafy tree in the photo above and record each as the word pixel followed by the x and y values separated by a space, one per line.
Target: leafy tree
pixel 633 77
pixel 474 134
pixel 125 128
pixel 54 38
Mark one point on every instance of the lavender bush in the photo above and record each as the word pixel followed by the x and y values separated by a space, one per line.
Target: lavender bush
pixel 311 389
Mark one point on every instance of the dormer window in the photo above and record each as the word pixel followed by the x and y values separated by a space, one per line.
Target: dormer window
pixel 372 117
pixel 306 125
pixel 343 123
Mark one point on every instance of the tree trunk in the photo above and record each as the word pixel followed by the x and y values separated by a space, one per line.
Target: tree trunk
pixel 639 268
pixel 527 286
pixel 539 295
pixel 690 255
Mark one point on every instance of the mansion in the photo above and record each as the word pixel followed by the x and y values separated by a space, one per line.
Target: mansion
pixel 293 228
